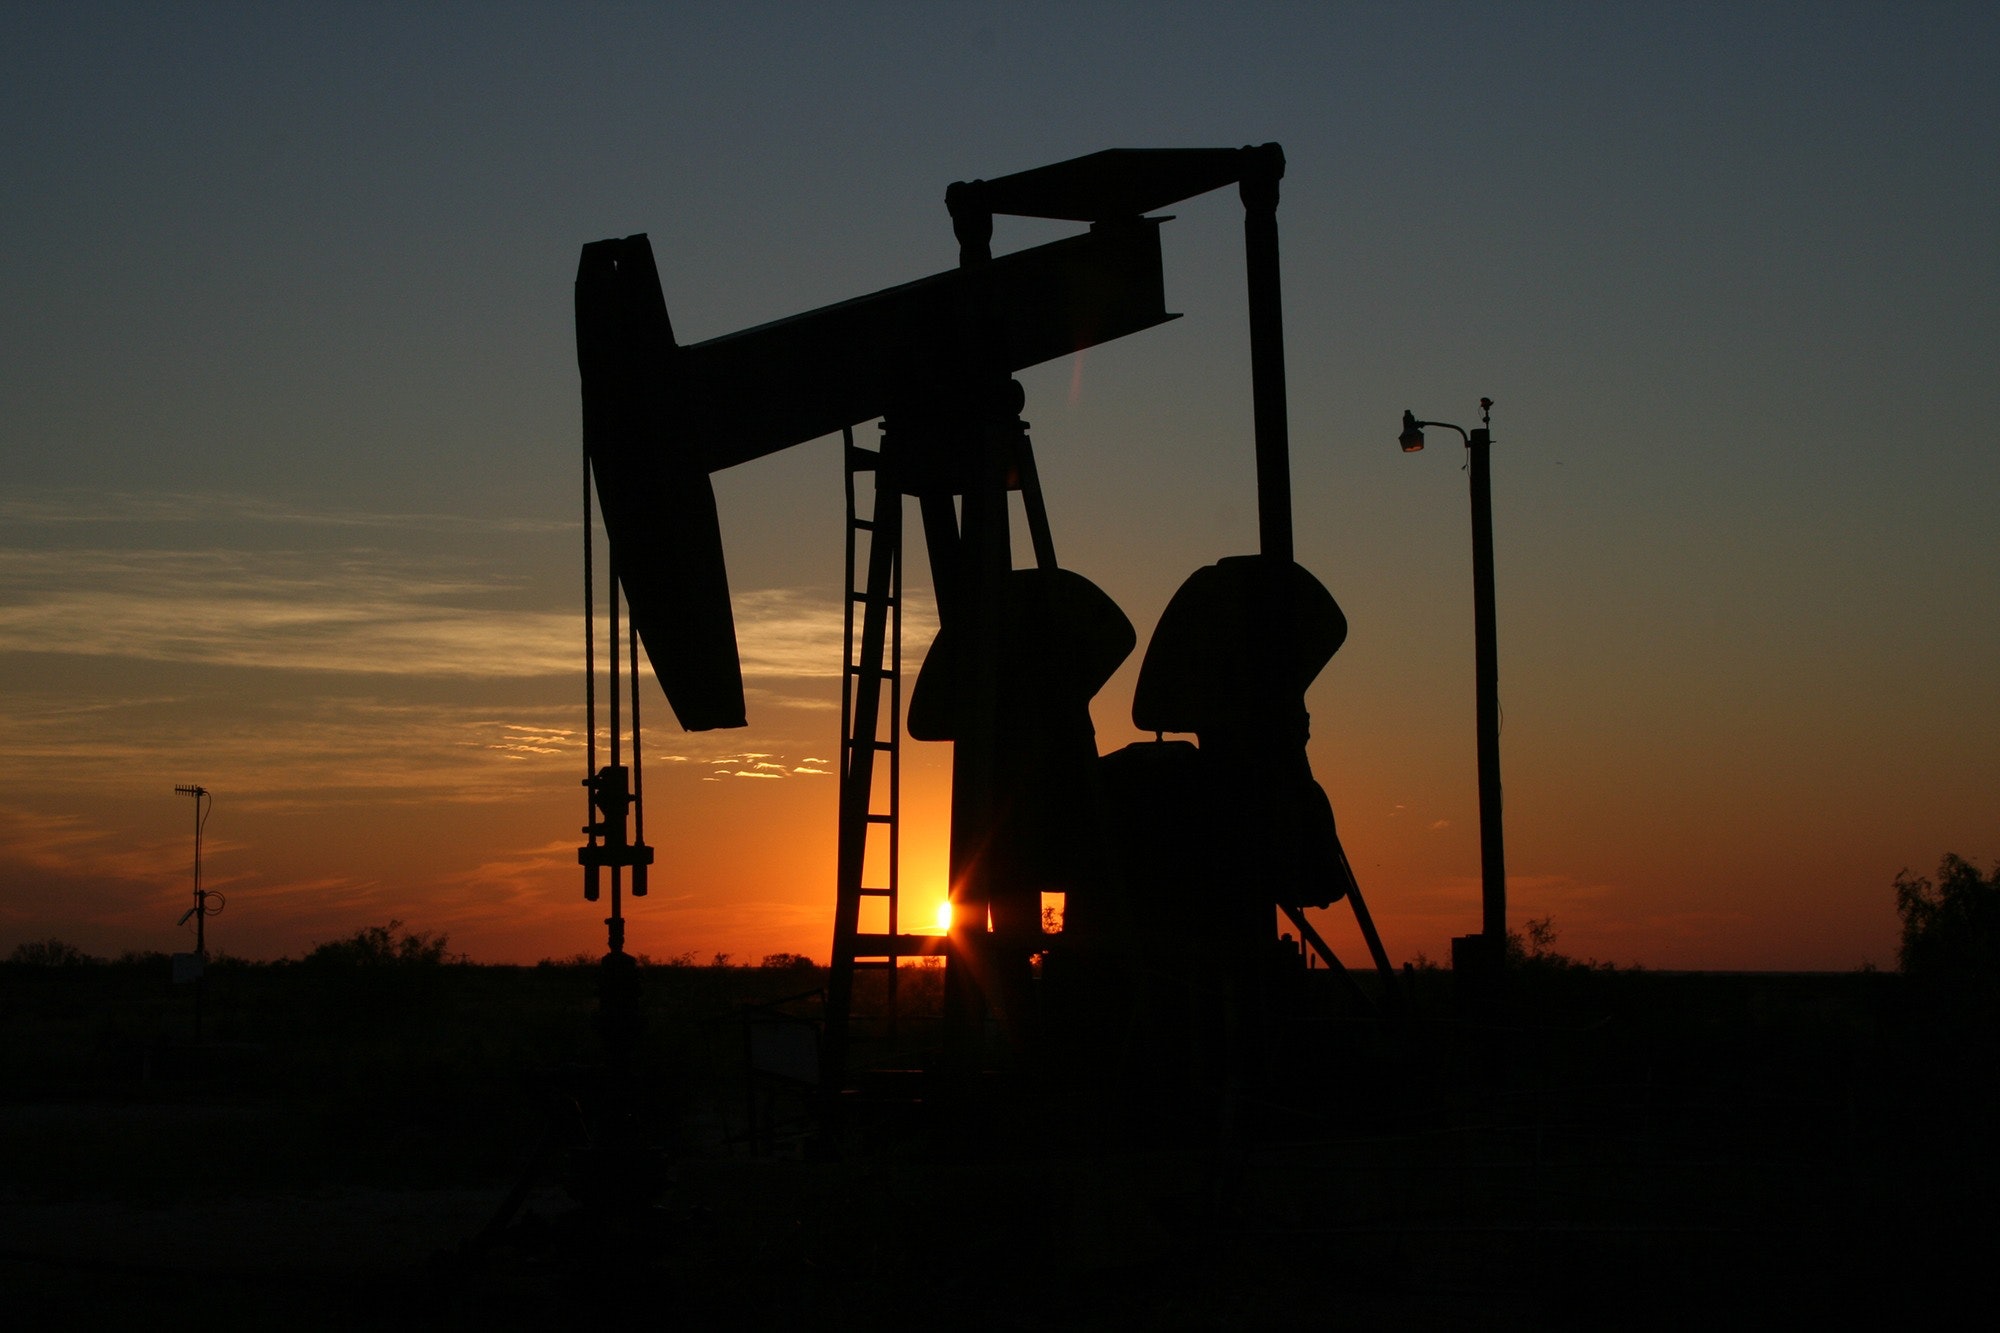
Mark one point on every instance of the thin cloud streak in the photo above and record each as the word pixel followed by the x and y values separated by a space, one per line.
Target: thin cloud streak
pixel 377 639
pixel 67 508
pixel 797 633
pixel 358 611
pixel 310 750
pixel 355 611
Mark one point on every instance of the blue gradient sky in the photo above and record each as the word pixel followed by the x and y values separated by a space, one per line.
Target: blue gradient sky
pixel 289 414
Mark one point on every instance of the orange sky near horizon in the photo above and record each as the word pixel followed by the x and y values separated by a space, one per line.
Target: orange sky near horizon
pixel 353 809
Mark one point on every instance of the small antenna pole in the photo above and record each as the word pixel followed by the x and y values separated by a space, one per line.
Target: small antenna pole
pixel 204 802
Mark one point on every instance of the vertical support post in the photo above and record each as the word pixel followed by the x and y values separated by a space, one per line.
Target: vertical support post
pixel 1492 851
pixel 1263 168
pixel 591 872
pixel 971 586
pixel 977 970
pixel 1032 505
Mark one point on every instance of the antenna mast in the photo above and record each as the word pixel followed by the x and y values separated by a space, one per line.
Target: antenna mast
pixel 204 803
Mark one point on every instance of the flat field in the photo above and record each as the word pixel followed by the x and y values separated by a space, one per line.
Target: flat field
pixel 1645 1148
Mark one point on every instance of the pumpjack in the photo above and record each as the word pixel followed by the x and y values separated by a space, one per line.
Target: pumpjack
pixel 1171 855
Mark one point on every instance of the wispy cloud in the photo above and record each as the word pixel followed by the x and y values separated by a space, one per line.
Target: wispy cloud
pixel 788 632
pixel 65 841
pixel 41 839
pixel 825 700
pixel 353 611
pixel 296 750
pixel 519 742
pixel 759 765
pixel 83 508
pixel 517 879
pixel 797 633
pixel 192 578
pixel 364 611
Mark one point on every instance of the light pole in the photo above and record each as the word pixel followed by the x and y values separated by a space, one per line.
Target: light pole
pixel 1492 851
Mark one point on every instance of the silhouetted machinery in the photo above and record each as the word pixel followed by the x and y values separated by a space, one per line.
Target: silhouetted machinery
pixel 1170 855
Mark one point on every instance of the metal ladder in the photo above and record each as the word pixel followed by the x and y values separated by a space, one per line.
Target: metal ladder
pixel 866 679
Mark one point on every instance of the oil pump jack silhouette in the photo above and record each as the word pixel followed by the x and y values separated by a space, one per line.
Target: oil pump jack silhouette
pixel 1170 855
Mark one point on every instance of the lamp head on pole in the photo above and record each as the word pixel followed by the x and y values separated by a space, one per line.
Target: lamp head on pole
pixel 1412 438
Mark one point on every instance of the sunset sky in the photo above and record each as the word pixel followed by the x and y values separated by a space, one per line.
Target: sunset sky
pixel 289 415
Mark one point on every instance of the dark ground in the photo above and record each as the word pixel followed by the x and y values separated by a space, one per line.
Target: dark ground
pixel 1634 1148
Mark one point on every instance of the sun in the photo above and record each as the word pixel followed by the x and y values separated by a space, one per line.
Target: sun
pixel 944 915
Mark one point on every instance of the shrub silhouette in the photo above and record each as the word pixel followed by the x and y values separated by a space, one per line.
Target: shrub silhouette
pixel 48 953
pixel 1951 934
pixel 1534 946
pixel 380 946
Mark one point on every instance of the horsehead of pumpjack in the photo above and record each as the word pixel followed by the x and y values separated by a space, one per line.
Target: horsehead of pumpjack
pixel 658 417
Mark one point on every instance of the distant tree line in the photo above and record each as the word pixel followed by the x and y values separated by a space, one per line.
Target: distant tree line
pixel 371 946
pixel 389 945
pixel 688 958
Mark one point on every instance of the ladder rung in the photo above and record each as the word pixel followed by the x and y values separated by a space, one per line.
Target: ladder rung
pixel 861 595
pixel 880 745
pixel 899 946
pixel 876 893
pixel 862 524
pixel 879 673
pixel 881 819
